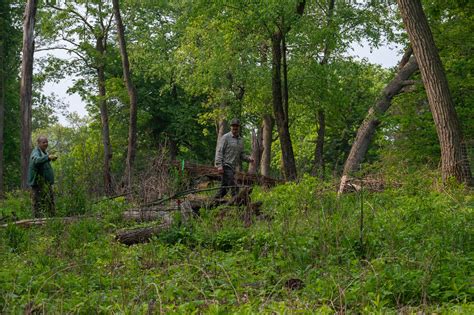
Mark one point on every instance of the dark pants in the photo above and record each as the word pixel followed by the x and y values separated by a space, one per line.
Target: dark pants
pixel 43 200
pixel 227 180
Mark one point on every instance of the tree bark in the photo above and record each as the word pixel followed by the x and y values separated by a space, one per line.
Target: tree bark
pixel 319 150
pixel 222 127
pixel 42 221
pixel 266 145
pixel 172 148
pixel 26 87
pixel 454 161
pixel 256 151
pixel 2 110
pixel 321 117
pixel 280 94
pixel 132 129
pixel 281 115
pixel 141 235
pixel 104 116
pixel 366 130
pixel 4 22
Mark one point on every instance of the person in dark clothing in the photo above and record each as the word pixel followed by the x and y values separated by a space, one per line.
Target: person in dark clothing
pixel 229 154
pixel 41 179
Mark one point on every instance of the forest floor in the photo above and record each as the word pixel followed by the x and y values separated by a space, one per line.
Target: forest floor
pixel 408 249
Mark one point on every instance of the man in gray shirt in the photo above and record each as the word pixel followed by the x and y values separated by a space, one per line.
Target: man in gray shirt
pixel 230 152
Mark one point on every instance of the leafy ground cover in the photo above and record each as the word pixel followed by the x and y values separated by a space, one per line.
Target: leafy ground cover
pixel 308 252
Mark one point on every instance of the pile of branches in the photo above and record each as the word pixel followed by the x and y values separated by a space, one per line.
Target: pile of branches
pixel 188 206
pixel 210 172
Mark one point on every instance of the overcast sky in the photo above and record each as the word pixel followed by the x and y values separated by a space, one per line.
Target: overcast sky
pixel 386 56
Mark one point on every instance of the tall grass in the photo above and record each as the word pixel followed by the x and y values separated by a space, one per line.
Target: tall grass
pixel 413 251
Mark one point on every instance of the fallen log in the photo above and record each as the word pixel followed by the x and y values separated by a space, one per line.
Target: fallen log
pixel 141 235
pixel 187 208
pixel 155 212
pixel 43 221
pixel 144 216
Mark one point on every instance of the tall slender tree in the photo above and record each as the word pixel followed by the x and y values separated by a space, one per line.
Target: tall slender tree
pixel 267 128
pixel 280 92
pixel 454 161
pixel 256 151
pixel 26 86
pixel 86 30
pixel 2 114
pixel 4 8
pixel 132 94
pixel 321 116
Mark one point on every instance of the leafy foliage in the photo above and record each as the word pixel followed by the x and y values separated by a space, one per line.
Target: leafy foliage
pixel 416 254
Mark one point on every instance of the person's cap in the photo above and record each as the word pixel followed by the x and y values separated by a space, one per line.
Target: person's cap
pixel 235 122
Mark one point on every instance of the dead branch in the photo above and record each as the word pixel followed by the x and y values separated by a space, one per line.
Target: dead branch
pixel 43 221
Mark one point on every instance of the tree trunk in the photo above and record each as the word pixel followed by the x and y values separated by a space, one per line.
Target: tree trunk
pixel 172 148
pixel 319 151
pixel 256 151
pixel 281 116
pixel 222 128
pixel 366 131
pixel 454 161
pixel 26 87
pixel 2 108
pixel 284 90
pixel 104 116
pixel 280 94
pixel 132 129
pixel 266 145
pixel 321 117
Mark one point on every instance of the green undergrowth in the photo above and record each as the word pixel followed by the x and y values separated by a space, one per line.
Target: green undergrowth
pixel 306 252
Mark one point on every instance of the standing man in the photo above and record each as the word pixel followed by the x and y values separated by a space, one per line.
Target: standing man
pixel 230 152
pixel 41 179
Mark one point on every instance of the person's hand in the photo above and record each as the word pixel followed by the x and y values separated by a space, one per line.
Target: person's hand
pixel 52 157
pixel 220 170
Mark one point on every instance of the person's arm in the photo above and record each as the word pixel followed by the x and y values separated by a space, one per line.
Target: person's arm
pixel 37 158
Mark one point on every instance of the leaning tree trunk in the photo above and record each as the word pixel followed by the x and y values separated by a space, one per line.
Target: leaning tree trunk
pixel 26 87
pixel 281 115
pixel 372 120
pixel 132 129
pixel 104 116
pixel 266 145
pixel 454 161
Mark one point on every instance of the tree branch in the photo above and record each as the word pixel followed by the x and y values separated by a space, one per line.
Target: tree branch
pixel 77 14
pixel 405 58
